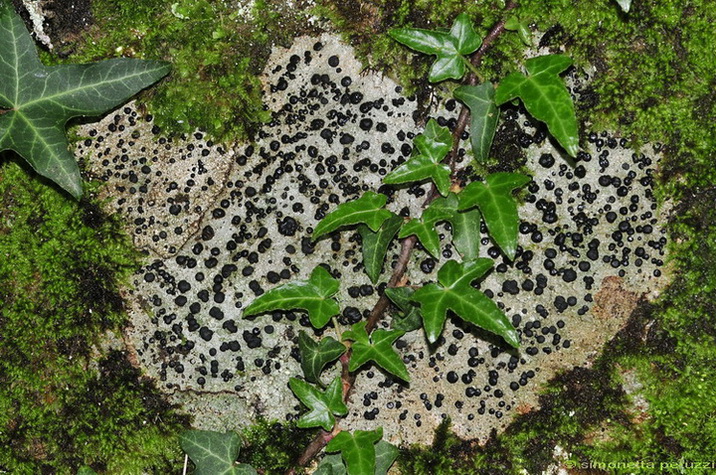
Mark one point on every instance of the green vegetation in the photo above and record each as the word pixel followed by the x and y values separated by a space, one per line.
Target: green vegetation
pixel 61 262
pixel 36 101
pixel 217 51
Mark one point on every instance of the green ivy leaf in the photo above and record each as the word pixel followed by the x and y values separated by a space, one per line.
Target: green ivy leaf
pixel 313 295
pixel 483 116
pixel 498 207
pixel 465 225
pixel 522 28
pixel 366 209
pixel 625 5
pixel 214 453
pixel 36 101
pixel 455 293
pixel 385 455
pixel 448 47
pixel 411 319
pixel 378 347
pixel 323 405
pixel 331 464
pixel 545 96
pixel 424 227
pixel 432 145
pixel 357 450
pixel 316 355
pixel 375 245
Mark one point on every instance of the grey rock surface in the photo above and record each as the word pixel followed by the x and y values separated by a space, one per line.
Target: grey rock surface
pixel 221 225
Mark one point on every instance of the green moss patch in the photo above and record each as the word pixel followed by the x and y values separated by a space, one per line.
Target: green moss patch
pixel 61 262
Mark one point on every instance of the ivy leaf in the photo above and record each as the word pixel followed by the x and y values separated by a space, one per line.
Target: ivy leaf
pixel 625 5
pixel 378 347
pixel 214 453
pixel 357 450
pixel 385 455
pixel 322 404
pixel 498 207
pixel 366 209
pixel 316 355
pixel 514 24
pixel 432 146
pixel 448 47
pixel 411 318
pixel 331 464
pixel 545 96
pixel 455 293
pixel 424 227
pixel 36 101
pixel 313 295
pixel 483 116
pixel 465 225
pixel 375 245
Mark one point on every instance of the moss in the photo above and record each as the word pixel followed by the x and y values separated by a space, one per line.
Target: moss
pixel 272 446
pixel 217 50
pixel 61 264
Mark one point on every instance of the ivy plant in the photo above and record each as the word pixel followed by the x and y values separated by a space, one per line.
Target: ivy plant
pixel 489 200
pixel 36 101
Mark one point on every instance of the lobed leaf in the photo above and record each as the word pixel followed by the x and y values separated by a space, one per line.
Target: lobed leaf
pixel 316 355
pixel 375 245
pixel 322 405
pixel 498 207
pixel 454 292
pixel 411 318
pixel 449 48
pixel 366 209
pixel 313 295
pixel 376 347
pixel 545 97
pixel 357 450
pixel 426 234
pixel 38 100
pixel 483 116
pixel 331 464
pixel 432 145
pixel 214 453
pixel 522 28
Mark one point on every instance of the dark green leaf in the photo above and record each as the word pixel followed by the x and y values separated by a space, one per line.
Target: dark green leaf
pixel 498 207
pixel 448 47
pixel 36 101
pixel 316 355
pixel 331 465
pixel 367 209
pixel 385 455
pixel 375 245
pixel 313 295
pixel 464 33
pixel 455 293
pixel 357 450
pixel 426 234
pixel 411 319
pixel 483 116
pixel 545 97
pixel 378 347
pixel 625 5
pixel 214 453
pixel 465 225
pixel 323 405
pixel 432 145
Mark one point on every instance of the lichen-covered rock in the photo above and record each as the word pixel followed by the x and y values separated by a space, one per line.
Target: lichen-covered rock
pixel 222 226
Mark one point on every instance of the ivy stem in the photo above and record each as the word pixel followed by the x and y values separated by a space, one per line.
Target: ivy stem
pixel 408 244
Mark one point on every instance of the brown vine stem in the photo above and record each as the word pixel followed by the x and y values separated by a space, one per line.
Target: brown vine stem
pixel 406 248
